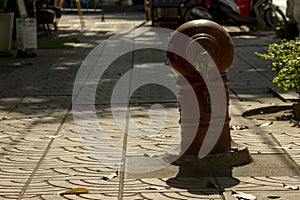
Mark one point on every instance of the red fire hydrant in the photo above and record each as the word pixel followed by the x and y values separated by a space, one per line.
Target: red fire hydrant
pixel 218 46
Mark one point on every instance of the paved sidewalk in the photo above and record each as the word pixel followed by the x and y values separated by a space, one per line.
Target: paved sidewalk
pixel 43 155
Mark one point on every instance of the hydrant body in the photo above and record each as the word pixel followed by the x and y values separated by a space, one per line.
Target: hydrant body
pixel 219 48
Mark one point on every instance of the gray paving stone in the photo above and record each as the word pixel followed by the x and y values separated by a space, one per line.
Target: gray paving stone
pixel 265 187
pixel 258 142
pixel 51 158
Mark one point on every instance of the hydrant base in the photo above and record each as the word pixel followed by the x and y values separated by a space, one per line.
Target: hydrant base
pixel 237 156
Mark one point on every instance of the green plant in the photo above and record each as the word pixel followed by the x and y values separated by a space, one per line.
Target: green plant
pixel 286 30
pixel 3 4
pixel 285 58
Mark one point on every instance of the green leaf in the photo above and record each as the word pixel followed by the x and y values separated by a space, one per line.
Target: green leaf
pixel 285 58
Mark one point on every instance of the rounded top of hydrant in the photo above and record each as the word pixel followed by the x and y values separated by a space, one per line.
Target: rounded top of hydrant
pixel 210 35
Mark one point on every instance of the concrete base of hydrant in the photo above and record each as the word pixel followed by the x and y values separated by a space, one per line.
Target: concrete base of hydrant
pixel 237 156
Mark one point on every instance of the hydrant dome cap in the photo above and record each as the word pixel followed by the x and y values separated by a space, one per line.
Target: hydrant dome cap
pixel 213 38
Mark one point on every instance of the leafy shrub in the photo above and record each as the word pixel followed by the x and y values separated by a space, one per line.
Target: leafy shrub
pixel 3 5
pixel 285 59
pixel 286 30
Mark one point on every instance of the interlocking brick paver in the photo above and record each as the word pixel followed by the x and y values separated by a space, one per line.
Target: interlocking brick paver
pixel 265 187
pixel 43 154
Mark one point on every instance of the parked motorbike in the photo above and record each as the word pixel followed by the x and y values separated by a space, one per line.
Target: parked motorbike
pixel 228 12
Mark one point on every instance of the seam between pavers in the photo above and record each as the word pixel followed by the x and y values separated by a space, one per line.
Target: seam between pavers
pixel 125 138
pixel 218 184
pixel 21 194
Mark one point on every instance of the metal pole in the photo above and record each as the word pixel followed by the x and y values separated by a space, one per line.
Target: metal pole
pixel 102 10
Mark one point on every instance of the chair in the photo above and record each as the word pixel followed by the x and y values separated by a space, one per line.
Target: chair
pixel 47 14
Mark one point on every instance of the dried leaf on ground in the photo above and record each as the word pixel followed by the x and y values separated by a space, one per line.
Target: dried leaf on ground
pixel 150 155
pixel 158 188
pixel 242 195
pixel 75 191
pixel 291 187
pixel 273 197
pixel 164 136
pixel 53 136
pixel 111 176
pixel 237 127
pixel 161 135
pixel 265 124
pixel 283 147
